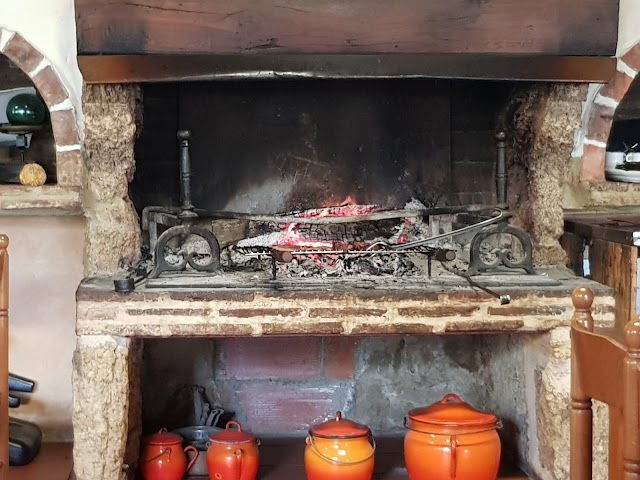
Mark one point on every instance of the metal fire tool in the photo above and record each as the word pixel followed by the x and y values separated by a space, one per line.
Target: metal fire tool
pixel 491 249
pixel 181 223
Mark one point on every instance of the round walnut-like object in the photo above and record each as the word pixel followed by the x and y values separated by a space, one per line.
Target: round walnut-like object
pixel 33 175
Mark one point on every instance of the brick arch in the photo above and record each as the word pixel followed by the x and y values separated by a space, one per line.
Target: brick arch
pixel 69 160
pixel 602 110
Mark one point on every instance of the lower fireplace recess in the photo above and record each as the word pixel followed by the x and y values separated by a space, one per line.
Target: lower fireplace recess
pixel 112 384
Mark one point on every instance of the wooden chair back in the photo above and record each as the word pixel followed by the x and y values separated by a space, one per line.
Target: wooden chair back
pixel 605 365
pixel 4 358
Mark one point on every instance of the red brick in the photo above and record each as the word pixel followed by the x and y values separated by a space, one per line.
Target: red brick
pixel 303 328
pixel 346 312
pixel 593 159
pixel 617 87
pixel 395 328
pixel 284 409
pixel 65 129
pixel 50 87
pixel 525 311
pixel 260 312
pixel 20 52
pixel 600 120
pixel 431 312
pixel 632 58
pixel 270 358
pixel 340 357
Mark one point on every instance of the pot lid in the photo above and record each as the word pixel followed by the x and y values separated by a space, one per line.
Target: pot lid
pixel 164 438
pixel 232 436
pixel 451 411
pixel 339 428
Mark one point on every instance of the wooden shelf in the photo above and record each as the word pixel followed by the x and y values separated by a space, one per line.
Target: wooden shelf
pixel 284 459
pixel 44 200
pixel 53 462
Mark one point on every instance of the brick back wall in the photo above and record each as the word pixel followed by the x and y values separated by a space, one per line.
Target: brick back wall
pixel 282 385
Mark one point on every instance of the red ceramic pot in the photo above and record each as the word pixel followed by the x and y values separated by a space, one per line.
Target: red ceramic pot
pixel 451 440
pixel 163 457
pixel 339 450
pixel 233 454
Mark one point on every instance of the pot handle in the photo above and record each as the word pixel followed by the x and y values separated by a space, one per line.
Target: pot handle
pixel 451 396
pixel 166 451
pixel 453 447
pixel 231 423
pixel 237 464
pixel 193 460
pixel 310 442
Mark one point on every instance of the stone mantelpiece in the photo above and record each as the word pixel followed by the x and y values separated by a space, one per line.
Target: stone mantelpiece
pixel 439 308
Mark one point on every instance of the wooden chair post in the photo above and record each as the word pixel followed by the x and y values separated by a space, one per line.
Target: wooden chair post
pixel 581 412
pixel 631 384
pixel 4 358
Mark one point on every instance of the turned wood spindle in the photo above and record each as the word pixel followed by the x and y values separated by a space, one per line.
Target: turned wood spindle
pixel 4 358
pixel 631 382
pixel 581 412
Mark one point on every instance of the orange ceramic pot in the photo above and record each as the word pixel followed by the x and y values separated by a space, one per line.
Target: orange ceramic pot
pixel 339 450
pixel 451 440
pixel 233 454
pixel 163 457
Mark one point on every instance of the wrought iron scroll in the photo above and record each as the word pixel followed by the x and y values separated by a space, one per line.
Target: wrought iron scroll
pixel 501 254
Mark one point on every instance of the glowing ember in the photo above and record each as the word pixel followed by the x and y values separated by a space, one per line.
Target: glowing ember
pixel 292 237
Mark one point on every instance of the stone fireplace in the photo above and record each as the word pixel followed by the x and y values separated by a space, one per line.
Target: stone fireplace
pixel 283 353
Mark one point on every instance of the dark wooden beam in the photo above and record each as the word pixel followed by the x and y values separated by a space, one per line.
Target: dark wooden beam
pixel 558 27
pixel 181 68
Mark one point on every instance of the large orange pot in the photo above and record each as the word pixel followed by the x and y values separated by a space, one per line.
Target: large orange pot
pixel 233 454
pixel 163 457
pixel 339 450
pixel 451 440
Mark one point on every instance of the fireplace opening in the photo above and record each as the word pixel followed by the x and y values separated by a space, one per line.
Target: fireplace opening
pixel 278 387
pixel 327 178
pixel 278 146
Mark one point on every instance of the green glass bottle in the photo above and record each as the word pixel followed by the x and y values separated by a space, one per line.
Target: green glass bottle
pixel 26 109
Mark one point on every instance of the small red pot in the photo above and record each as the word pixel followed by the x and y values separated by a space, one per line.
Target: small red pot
pixel 450 440
pixel 163 457
pixel 233 454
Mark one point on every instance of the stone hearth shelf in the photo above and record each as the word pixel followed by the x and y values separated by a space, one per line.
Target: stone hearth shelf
pixel 330 309
pixel 111 328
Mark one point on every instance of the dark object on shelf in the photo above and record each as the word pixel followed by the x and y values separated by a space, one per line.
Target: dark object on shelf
pixel 21 132
pixel 196 435
pixel 14 402
pixel 26 109
pixel 21 384
pixel 25 439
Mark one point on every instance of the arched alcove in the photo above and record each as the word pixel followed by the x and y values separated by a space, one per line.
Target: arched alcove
pixel 603 109
pixel 69 159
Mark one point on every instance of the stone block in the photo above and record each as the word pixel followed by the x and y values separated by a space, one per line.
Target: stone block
pixel 70 168
pixel 593 161
pixel 100 407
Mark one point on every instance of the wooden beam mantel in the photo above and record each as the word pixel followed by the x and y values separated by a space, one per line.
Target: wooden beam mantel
pixel 548 27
